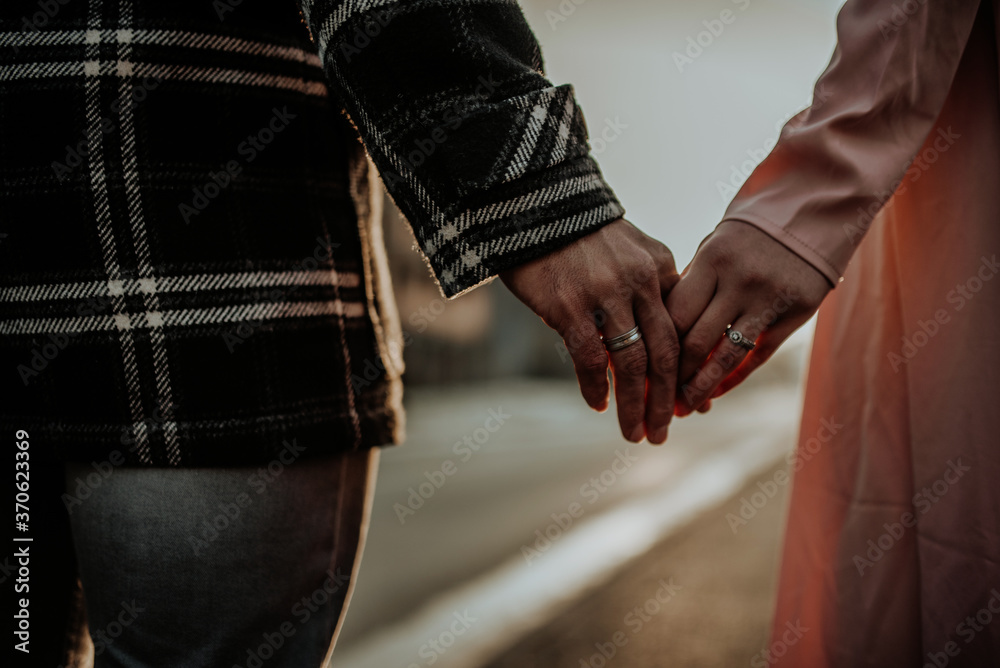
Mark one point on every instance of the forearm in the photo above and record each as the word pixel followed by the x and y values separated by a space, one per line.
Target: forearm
pixel 487 159
pixel 837 163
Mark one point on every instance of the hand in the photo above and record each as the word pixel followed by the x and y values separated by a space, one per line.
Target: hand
pixel 606 283
pixel 742 277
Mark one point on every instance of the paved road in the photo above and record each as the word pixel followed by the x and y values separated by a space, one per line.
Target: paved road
pixel 704 597
pixel 549 452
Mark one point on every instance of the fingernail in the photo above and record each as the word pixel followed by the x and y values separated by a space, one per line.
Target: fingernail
pixel 637 434
pixel 659 436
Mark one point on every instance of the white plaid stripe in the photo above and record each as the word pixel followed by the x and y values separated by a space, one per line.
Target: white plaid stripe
pixel 127 322
pixel 228 76
pixel 48 70
pixel 562 145
pixel 500 210
pixel 495 249
pixel 162 38
pixel 137 223
pixel 102 213
pixel 536 120
pixel 167 284
pixel 379 143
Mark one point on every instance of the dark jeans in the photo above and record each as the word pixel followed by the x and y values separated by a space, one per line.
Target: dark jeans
pixel 248 567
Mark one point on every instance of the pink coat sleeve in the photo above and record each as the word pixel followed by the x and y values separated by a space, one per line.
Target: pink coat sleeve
pixel 840 160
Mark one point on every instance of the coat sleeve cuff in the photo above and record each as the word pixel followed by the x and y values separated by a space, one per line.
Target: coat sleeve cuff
pixel 518 222
pixel 795 244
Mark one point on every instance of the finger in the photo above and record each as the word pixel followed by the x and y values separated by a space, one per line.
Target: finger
pixel 768 343
pixel 725 359
pixel 590 360
pixel 705 335
pixel 666 270
pixel 628 368
pixel 691 296
pixel 662 353
pixel 705 407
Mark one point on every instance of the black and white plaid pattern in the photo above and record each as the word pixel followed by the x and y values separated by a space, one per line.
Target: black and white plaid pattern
pixel 488 161
pixel 185 273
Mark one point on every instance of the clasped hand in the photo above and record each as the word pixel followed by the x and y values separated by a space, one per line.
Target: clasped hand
pixel 616 278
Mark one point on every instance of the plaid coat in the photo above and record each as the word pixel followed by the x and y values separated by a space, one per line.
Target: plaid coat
pixel 191 270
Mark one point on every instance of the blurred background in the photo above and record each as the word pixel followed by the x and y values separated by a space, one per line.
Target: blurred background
pixel 516 527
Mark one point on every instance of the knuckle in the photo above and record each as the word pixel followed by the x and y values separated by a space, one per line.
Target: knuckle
pixel 663 361
pixel 660 413
pixel 667 256
pixel 568 304
pixel 633 361
pixel 592 362
pixel 726 358
pixel 643 277
pixel 753 279
pixel 720 258
pixel 698 347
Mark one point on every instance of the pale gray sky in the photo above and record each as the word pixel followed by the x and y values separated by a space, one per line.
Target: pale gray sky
pixel 689 122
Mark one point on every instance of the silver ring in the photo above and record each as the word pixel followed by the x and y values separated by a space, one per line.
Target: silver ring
pixel 624 340
pixel 738 338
